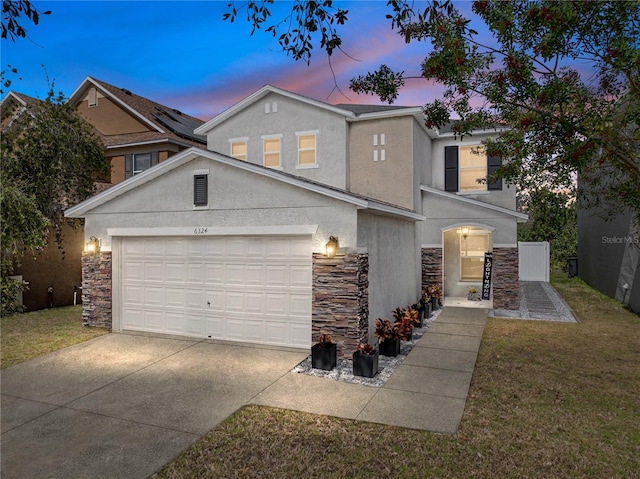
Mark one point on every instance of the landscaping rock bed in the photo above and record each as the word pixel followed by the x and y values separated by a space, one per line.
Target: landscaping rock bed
pixel 386 364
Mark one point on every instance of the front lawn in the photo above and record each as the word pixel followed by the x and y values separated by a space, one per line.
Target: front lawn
pixel 28 335
pixel 547 400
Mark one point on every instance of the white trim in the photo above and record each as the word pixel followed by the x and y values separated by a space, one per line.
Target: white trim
pixel 275 230
pixel 460 225
pixel 307 167
pixel 204 171
pixel 150 142
pixel 521 217
pixel 306 133
pixel 473 192
pixel 239 140
pixel 271 137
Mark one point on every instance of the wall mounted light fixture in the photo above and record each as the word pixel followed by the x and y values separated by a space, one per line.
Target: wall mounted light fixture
pixel 93 245
pixel 465 232
pixel 332 246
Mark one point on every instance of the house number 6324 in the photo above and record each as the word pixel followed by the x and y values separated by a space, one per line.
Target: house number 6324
pixel 200 231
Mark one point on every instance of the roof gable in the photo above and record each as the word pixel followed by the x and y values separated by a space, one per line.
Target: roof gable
pixel 80 210
pixel 162 122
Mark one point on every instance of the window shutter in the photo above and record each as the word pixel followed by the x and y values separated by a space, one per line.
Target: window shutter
pixel 200 190
pixel 154 158
pixel 451 168
pixel 128 166
pixel 493 163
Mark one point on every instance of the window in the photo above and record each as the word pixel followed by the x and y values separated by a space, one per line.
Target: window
pixel 200 189
pixel 271 151
pixel 465 164
pixel 139 162
pixel 472 250
pixel 306 149
pixel 472 167
pixel 379 153
pixel 239 149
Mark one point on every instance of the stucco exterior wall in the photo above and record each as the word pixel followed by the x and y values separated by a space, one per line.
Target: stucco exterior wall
pixel 291 116
pixel 393 179
pixel 443 213
pixel 394 264
pixel 109 118
pixel 237 198
pixel 422 148
pixel 505 197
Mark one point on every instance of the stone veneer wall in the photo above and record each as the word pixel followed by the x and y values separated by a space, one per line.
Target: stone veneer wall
pixel 96 289
pixel 432 267
pixel 341 300
pixel 506 282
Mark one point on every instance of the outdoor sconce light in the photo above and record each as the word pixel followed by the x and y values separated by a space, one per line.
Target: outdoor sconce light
pixel 93 245
pixel 465 232
pixel 332 246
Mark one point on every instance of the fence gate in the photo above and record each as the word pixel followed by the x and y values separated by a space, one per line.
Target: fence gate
pixel 534 261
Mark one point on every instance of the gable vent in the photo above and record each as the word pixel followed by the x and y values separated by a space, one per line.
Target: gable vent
pixel 200 195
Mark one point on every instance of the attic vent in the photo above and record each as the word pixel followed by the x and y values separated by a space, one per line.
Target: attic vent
pixel 200 190
pixel 93 97
pixel 126 92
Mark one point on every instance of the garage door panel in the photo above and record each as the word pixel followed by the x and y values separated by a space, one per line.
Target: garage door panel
pixel 300 305
pixel 176 272
pixel 214 273
pixel 235 274
pixel 153 271
pixel 255 289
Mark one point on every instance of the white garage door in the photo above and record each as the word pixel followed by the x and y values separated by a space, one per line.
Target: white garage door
pixel 253 289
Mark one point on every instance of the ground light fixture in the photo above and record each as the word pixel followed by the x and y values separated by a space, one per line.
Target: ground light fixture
pixel 332 246
pixel 93 245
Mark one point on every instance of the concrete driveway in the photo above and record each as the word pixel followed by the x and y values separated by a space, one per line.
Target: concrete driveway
pixel 123 405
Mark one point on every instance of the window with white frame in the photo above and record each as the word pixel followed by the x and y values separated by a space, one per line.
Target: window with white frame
pixel 379 142
pixel 306 148
pixel 473 245
pixel 239 148
pixel 472 167
pixel 271 151
pixel 141 162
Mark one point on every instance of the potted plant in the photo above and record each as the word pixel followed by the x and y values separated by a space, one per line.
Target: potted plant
pixel 419 307
pixel 324 353
pixel 474 294
pixel 388 337
pixel 425 299
pixel 435 293
pixel 365 361
pixel 404 322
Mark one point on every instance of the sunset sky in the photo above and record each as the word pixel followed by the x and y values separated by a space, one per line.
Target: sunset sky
pixel 182 54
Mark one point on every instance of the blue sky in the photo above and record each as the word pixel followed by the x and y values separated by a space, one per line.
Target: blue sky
pixel 182 54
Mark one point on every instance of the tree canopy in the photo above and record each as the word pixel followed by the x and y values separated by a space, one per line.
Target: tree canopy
pixel 51 158
pixel 558 80
pixel 12 13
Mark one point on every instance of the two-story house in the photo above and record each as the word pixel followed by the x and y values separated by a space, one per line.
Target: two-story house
pixel 138 133
pixel 233 242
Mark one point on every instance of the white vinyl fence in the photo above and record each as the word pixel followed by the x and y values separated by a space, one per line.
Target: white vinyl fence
pixel 534 261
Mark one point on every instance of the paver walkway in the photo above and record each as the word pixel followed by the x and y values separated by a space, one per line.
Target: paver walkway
pixel 540 301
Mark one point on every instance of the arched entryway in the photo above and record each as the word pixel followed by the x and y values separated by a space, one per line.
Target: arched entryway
pixel 464 247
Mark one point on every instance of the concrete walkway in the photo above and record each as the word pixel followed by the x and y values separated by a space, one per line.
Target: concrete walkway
pixel 428 391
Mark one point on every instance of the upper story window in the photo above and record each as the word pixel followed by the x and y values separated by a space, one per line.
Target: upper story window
pixel 306 148
pixel 465 165
pixel 239 148
pixel 379 142
pixel 271 151
pixel 138 162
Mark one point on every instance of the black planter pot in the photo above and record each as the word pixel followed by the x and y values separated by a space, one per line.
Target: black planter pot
pixel 389 347
pixel 409 335
pixel 324 357
pixel 365 365
pixel 434 304
pixel 427 309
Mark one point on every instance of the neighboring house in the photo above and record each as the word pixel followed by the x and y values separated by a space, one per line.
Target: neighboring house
pixel 609 255
pixel 229 243
pixel 138 133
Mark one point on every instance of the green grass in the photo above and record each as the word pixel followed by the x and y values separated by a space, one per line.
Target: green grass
pixel 547 400
pixel 29 335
